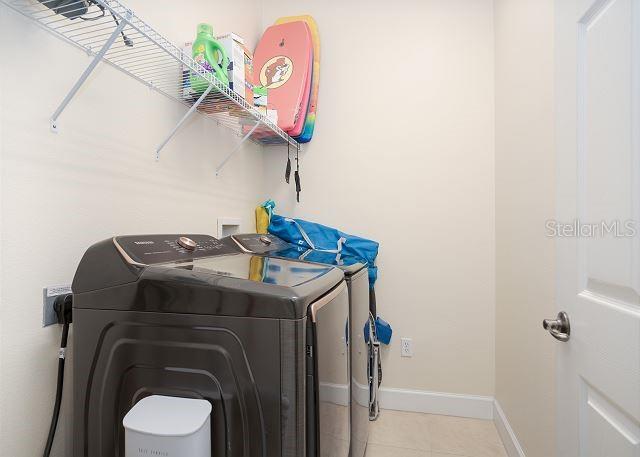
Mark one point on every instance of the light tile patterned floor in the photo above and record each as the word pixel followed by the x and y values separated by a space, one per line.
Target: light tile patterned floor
pixel 401 434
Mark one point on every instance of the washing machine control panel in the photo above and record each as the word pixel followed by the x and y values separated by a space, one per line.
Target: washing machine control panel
pixel 260 244
pixel 153 249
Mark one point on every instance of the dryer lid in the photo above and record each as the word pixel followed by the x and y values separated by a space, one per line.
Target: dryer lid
pixel 349 264
pixel 274 246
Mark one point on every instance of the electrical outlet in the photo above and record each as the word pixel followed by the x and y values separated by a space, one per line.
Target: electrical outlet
pixel 406 347
pixel 49 295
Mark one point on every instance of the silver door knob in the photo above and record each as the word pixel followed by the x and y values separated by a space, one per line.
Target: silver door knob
pixel 559 328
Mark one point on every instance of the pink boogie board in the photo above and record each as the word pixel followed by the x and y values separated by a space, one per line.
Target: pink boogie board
pixel 309 123
pixel 283 63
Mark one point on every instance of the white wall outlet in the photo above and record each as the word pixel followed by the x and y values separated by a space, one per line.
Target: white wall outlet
pixel 49 295
pixel 406 347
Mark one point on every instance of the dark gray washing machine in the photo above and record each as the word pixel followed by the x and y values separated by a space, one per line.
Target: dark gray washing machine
pixel 362 344
pixel 190 317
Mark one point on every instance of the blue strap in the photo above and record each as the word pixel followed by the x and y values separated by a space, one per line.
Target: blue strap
pixel 340 242
pixel 269 205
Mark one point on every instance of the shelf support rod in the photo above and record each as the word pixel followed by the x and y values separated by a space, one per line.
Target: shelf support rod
pixel 183 120
pixel 98 57
pixel 238 146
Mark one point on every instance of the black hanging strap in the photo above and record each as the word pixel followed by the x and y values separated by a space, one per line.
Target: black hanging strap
pixel 287 173
pixel 297 176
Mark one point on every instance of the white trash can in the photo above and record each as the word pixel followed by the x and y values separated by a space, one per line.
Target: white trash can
pixel 161 426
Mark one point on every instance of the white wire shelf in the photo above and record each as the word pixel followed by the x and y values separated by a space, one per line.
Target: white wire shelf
pixel 112 33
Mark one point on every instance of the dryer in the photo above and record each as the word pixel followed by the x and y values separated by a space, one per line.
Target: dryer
pixel 364 348
pixel 188 316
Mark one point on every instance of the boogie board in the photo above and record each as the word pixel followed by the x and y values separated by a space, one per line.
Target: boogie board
pixel 299 128
pixel 310 121
pixel 282 63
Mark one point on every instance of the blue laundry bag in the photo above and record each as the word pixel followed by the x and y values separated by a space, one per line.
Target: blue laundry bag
pixel 311 235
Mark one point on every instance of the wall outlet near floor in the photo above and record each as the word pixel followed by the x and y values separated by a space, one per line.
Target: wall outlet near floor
pixel 49 295
pixel 406 347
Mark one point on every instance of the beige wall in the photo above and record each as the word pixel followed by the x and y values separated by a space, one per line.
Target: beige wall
pixel 403 153
pixel 96 178
pixel 525 195
pixel 2 396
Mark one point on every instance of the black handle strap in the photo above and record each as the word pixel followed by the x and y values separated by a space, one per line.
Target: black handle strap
pixel 287 173
pixel 297 176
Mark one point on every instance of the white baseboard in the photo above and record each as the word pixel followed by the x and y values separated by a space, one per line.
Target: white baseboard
pixel 447 404
pixel 338 394
pixel 506 433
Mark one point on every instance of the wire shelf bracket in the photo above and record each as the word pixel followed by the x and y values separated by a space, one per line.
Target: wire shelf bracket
pixel 145 55
pixel 183 120
pixel 96 60
pixel 236 149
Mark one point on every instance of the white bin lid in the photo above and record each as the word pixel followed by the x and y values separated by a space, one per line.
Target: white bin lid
pixel 167 416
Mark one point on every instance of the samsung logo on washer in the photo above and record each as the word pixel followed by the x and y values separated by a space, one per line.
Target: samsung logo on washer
pixel 143 242
pixel 146 451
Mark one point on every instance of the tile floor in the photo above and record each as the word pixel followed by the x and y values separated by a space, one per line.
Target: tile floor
pixel 401 434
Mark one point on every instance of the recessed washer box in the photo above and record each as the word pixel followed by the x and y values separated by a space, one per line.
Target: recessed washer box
pixel 162 426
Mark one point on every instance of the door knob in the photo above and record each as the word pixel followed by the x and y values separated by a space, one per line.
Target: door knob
pixel 559 328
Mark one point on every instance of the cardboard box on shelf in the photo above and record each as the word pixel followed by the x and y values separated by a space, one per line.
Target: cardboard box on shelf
pixel 187 91
pixel 234 46
pixel 260 99
pixel 248 75
pixel 239 71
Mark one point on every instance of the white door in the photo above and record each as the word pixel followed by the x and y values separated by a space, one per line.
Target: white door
pixel 598 149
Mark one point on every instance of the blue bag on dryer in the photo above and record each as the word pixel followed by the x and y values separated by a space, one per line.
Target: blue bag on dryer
pixel 311 235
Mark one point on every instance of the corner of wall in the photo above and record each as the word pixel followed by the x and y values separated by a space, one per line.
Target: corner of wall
pixel 493 201
pixel 2 406
pixel 524 198
pixel 507 435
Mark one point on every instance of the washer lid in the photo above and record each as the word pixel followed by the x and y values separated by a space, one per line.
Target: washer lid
pixel 267 270
pixel 143 250
pixel 206 281
pixel 167 416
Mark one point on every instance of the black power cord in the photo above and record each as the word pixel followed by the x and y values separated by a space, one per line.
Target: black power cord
pixel 127 41
pixel 63 308
pixel 74 9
